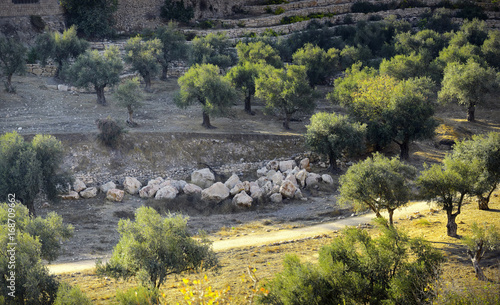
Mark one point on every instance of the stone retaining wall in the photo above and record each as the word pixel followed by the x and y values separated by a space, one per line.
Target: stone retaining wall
pixel 42 8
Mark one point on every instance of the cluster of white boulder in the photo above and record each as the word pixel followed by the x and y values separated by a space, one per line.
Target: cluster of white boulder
pixel 277 180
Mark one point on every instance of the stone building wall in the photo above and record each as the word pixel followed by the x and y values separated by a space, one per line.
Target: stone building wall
pixel 42 8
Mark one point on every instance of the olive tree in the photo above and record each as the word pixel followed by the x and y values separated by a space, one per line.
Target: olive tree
pixel 483 238
pixel 35 239
pixel 285 91
pixel 12 60
pixel 468 85
pixel 357 268
pixel 212 49
pixel 335 136
pixel 242 77
pixel 378 183
pixel 320 64
pixel 27 168
pixel 144 57
pixel 129 95
pixel 203 84
pixel 173 46
pixel 486 151
pixel 447 184
pixel 394 110
pixel 97 70
pixel 61 48
pixel 257 52
pixel 153 247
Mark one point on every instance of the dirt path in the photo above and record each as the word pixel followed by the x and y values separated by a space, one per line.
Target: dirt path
pixel 266 238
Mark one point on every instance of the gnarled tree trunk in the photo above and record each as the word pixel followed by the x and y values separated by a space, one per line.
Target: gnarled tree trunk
pixel 147 81
pixel 164 73
pixel 8 84
pixel 206 121
pixel 333 168
pixel 248 104
pixel 286 122
pixel 451 225
pixel 101 99
pixel 405 150
pixel 475 257
pixel 470 113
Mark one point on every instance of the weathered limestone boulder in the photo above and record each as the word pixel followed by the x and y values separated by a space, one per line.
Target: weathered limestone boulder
pixel 156 181
pixel 246 184
pixel 79 185
pixel 179 184
pixel 262 180
pixel 270 174
pixel 312 179
pixel 232 181
pixel 215 193
pixel 301 177
pixel 261 172
pixel 115 195
pixel 305 164
pixel 287 165
pixel 287 189
pixel 166 192
pixel 291 177
pixel 149 191
pixel 299 195
pixel 242 199
pixel 273 165
pixel 89 192
pixel 276 198
pixel 191 189
pixel 72 195
pixel 131 185
pixel 203 178
pixel 107 186
pixel 239 187
pixel 295 170
pixel 327 179
pixel 275 189
pixel 255 191
pixel 267 188
pixel 277 178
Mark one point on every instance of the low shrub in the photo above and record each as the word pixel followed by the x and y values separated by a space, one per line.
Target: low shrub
pixel 175 10
pixel 67 295
pixel 138 296
pixel 279 11
pixel 110 132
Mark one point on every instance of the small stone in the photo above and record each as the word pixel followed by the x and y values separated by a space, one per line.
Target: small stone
pixel 273 165
pixel 237 189
pixel 301 177
pixel 261 172
pixel 312 180
pixel 277 178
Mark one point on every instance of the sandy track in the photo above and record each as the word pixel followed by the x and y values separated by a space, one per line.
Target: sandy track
pixel 266 238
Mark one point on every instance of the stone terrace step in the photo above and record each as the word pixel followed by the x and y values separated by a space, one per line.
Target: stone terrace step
pixel 283 29
pixel 270 20
pixel 261 9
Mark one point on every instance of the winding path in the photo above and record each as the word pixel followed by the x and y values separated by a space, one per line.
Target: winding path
pixel 266 238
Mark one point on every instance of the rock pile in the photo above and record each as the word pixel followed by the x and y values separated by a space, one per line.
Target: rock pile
pixel 277 181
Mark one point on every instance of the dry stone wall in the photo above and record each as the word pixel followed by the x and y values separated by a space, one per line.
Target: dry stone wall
pixel 42 8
